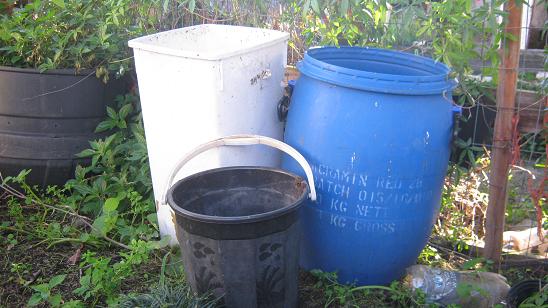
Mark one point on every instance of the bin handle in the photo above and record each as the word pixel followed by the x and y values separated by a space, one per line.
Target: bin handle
pixel 238 140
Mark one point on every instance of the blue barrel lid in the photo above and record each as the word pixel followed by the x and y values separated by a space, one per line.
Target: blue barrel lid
pixel 377 70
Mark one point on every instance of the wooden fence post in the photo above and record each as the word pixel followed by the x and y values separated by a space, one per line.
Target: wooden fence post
pixel 502 137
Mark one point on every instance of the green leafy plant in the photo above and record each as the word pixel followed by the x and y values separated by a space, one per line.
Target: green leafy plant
pixel 478 264
pixel 346 23
pixel 43 292
pixel 468 152
pixel 116 188
pixel 465 290
pixel 537 300
pixel 447 30
pixel 93 34
pixel 20 269
pixel 100 278
pixel 107 205
pixel 11 240
pixel 103 277
pixel 430 256
pixel 395 295
pixel 463 204
pixel 41 218
pixel 335 293
pixel 47 34
pixel 454 29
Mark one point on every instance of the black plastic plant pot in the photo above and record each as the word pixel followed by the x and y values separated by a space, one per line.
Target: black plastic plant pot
pixel 47 118
pixel 519 292
pixel 238 232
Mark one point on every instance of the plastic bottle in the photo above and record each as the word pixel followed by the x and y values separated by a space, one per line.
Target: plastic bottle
pixel 465 288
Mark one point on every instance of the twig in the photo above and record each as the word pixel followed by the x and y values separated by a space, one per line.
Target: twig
pixel 64 240
pixel 121 60
pixel 385 289
pixel 456 253
pixel 70 86
pixel 16 230
pixel 207 18
pixel 10 190
pixel 61 210
pixel 60 90
pixel 105 236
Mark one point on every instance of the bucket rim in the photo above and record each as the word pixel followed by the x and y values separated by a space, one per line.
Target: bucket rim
pixel 236 219
pixel 437 81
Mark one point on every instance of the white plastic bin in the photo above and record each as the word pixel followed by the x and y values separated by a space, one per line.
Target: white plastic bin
pixel 205 82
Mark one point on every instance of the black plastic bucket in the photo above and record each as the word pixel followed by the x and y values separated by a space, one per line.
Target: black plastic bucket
pixel 238 230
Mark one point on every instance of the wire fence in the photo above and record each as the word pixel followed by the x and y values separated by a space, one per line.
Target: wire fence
pixel 525 234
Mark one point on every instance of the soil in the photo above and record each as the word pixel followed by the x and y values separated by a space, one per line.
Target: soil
pixel 38 264
pixel 30 262
pixel 309 296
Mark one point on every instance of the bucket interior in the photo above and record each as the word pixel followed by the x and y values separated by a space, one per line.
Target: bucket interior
pixel 237 192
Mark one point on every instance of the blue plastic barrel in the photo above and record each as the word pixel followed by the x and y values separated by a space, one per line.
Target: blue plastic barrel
pixel 376 126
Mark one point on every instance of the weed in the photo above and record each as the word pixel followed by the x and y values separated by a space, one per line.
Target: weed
pixel 478 264
pixel 43 292
pixel 464 204
pixel 71 34
pixel 334 292
pixel 430 256
pixel 395 295
pixel 116 187
pixel 110 199
pixel 11 240
pixel 103 277
pixel 469 153
pixel 20 269
pixel 537 300
pixel 15 211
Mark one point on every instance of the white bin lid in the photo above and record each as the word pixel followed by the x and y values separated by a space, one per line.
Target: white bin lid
pixel 209 42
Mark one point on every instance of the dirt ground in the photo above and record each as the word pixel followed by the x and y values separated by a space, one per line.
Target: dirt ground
pixel 38 262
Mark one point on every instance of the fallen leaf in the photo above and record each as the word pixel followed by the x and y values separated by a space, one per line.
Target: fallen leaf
pixel 76 256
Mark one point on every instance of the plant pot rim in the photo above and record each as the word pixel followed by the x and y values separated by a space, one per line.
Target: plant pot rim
pixel 65 72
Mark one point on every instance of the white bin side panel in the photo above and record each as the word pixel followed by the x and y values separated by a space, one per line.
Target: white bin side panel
pixel 187 102
pixel 248 104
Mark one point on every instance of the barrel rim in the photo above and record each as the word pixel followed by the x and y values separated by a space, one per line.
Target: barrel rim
pixel 236 219
pixel 436 82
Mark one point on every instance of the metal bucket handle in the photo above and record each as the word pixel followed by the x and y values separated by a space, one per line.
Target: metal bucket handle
pixel 238 140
